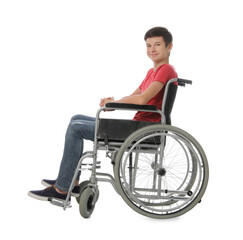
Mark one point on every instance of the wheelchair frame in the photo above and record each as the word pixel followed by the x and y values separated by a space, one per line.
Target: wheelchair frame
pixel 157 201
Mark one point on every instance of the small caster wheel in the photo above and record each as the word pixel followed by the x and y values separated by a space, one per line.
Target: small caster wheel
pixel 87 202
pixel 82 186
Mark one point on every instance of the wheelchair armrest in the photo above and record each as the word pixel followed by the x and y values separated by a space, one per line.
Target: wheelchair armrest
pixel 132 106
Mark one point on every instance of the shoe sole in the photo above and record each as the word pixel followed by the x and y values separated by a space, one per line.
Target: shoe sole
pixel 45 183
pixel 48 185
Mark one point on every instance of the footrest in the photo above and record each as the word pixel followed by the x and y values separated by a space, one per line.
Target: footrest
pixel 60 203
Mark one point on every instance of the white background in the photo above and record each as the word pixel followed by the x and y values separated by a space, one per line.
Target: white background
pixel 58 58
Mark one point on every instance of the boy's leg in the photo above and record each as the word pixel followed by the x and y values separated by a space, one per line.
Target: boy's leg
pixel 76 118
pixel 82 117
pixel 81 127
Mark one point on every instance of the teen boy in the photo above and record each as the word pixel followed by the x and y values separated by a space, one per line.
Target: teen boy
pixel 150 91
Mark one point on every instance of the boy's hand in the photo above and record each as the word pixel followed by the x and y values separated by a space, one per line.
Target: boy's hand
pixel 103 101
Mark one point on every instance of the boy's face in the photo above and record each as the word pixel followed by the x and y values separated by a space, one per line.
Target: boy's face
pixel 157 51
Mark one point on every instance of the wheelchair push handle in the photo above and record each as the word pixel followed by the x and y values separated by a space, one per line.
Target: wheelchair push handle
pixel 183 82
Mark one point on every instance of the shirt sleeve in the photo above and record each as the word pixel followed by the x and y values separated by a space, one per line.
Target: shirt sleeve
pixel 165 73
pixel 143 82
pixel 140 86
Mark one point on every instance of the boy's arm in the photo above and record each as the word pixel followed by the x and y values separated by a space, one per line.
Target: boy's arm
pixel 137 97
pixel 136 92
pixel 103 101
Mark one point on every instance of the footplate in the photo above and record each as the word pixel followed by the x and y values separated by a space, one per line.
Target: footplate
pixel 64 204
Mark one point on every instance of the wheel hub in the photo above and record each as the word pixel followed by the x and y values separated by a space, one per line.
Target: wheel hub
pixel 160 170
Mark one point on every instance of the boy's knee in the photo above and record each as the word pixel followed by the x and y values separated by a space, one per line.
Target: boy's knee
pixel 75 117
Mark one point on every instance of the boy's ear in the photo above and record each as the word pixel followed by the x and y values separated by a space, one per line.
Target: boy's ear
pixel 170 46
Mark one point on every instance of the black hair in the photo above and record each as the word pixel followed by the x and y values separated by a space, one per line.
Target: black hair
pixel 159 32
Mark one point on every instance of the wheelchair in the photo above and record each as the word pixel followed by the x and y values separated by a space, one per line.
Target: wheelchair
pixel 160 171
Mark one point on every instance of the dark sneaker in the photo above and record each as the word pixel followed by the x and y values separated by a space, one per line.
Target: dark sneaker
pixel 48 183
pixel 47 194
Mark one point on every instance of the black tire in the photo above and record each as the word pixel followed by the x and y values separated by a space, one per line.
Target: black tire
pixel 87 203
pixel 82 186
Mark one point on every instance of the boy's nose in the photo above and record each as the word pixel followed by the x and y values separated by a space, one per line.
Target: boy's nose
pixel 152 49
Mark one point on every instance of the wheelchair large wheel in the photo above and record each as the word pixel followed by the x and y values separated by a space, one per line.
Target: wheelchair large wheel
pixel 161 171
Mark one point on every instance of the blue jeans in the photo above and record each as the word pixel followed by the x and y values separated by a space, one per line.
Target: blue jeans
pixel 80 127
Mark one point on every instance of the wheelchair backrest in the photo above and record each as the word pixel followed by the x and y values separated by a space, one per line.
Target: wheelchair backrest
pixel 168 101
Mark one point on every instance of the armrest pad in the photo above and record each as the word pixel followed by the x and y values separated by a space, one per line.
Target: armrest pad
pixel 131 106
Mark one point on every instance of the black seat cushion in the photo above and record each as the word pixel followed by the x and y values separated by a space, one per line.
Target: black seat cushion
pixel 117 130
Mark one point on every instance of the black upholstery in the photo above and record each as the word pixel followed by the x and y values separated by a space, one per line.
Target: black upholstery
pixel 117 130
pixel 170 102
pixel 131 106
